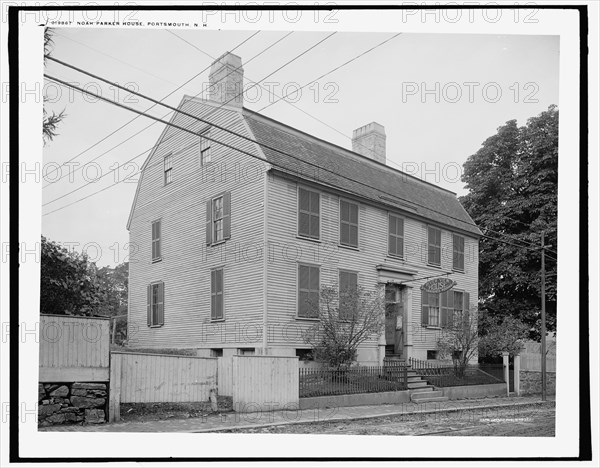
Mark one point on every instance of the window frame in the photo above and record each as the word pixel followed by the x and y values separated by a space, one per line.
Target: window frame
pixel 438 247
pixel 168 176
pixel 153 240
pixel 214 294
pixel 309 265
pixel 215 220
pixel 205 146
pixel 437 316
pixel 456 253
pixel 155 317
pixel 349 223
pixel 309 213
pixel 396 236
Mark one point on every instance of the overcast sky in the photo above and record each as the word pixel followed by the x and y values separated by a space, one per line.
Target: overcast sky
pixel 410 85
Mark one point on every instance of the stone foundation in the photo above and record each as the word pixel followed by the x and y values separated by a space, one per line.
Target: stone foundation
pixel 72 403
pixel 531 382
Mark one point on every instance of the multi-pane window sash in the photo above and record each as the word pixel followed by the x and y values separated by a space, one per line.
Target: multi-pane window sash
pixel 348 282
pixel 434 244
pixel 168 168
pixel 396 236
pixel 155 304
pixel 156 235
pixel 458 252
pixel 348 223
pixel 216 294
pixel 443 309
pixel 308 213
pixel 205 153
pixel 218 219
pixel 308 290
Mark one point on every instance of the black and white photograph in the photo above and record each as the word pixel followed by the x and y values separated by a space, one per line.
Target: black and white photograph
pixel 301 233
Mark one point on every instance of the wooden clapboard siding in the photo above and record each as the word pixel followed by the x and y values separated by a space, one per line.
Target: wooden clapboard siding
pixel 153 378
pixel 287 250
pixel 265 383
pixel 73 348
pixel 186 260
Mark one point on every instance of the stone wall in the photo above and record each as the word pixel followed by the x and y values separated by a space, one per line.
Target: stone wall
pixel 531 382
pixel 72 403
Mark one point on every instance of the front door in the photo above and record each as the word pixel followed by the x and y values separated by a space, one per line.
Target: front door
pixel 394 317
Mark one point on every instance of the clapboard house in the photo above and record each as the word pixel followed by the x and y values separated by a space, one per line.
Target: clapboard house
pixel 239 219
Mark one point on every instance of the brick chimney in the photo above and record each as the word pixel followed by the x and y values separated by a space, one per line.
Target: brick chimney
pixel 370 141
pixel 227 80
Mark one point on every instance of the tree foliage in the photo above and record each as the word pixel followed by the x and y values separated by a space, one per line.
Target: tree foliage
pixel 513 189
pixel 502 335
pixel 50 121
pixel 344 322
pixel 460 339
pixel 72 285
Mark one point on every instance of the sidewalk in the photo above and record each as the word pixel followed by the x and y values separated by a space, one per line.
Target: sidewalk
pixel 225 421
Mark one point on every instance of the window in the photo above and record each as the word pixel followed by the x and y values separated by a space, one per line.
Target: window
pixel 247 351
pixel 216 352
pixel 168 166
pixel 308 290
pixel 308 213
pixel 393 299
pixel 155 304
pixel 458 252
pixel 434 244
pixel 216 294
pixel 430 303
pixel 218 218
pixel 305 354
pixel 395 236
pixel 432 354
pixel 156 250
pixel 348 223
pixel 205 154
pixel 347 292
pixel 443 309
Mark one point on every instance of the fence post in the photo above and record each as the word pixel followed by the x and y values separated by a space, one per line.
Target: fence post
pixel 517 373
pixel 506 369
pixel 114 392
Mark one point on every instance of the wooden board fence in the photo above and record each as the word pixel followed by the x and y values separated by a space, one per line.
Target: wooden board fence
pixel 73 349
pixel 225 375
pixel 263 383
pixel 154 378
pixel 531 357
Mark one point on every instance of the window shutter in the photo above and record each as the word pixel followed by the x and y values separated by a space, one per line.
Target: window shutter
pixel 450 317
pixel 149 304
pixel 424 308
pixel 227 215
pixel 444 309
pixel 209 222
pixel 161 303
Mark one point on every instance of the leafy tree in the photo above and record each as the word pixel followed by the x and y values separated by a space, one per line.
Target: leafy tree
pixel 114 285
pixel 345 321
pixel 69 284
pixel 505 335
pixel 459 339
pixel 50 122
pixel 513 187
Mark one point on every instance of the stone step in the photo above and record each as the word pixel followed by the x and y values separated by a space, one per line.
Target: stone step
pixel 420 383
pixel 421 399
pixel 415 378
pixel 427 388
